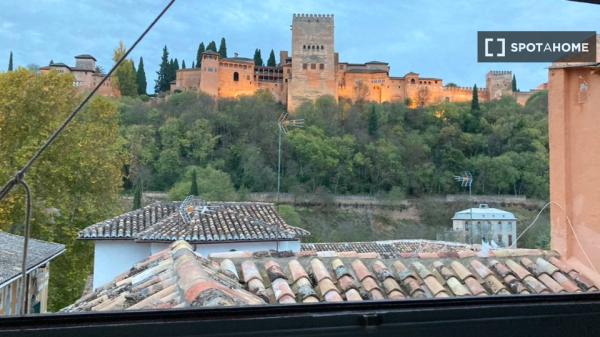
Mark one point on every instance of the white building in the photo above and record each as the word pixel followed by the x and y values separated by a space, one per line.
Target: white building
pixel 485 223
pixel 122 241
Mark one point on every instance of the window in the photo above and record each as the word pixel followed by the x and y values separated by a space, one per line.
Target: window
pixel 321 66
pixel 304 66
pixel 313 66
pixel 236 76
pixel 412 81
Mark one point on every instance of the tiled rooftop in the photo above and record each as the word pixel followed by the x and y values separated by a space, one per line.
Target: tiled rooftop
pixel 219 221
pixel 388 248
pixel 177 277
pixel 11 254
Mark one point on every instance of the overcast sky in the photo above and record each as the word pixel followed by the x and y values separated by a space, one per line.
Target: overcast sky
pixel 433 38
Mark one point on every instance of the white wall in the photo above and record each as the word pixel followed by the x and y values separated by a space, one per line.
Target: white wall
pixel 114 257
pixel 206 249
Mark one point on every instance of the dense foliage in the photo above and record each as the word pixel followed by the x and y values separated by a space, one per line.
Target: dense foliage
pixel 75 183
pixel 343 148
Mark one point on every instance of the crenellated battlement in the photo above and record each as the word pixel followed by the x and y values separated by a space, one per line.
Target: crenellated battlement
pixel 500 72
pixel 469 89
pixel 313 17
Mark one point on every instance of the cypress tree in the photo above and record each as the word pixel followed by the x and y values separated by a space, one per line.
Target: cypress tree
pixel 51 62
pixel 271 62
pixel 475 99
pixel 194 188
pixel 182 64
pixel 176 64
pixel 137 195
pixel 10 62
pixel 212 46
pixel 162 81
pixel 373 121
pixel 514 84
pixel 193 65
pixel 201 50
pixel 141 78
pixel 257 58
pixel 223 48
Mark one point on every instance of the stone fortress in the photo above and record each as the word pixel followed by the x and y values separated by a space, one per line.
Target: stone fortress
pixel 314 70
pixel 86 74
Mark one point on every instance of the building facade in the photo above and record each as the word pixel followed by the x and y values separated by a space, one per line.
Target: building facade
pixel 314 70
pixel 86 74
pixel 211 228
pixel 573 101
pixel 39 255
pixel 485 223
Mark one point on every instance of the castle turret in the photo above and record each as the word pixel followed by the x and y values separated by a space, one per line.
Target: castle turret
pixel 209 82
pixel 498 83
pixel 85 62
pixel 313 61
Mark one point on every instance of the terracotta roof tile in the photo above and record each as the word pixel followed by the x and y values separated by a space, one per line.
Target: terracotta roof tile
pixel 519 271
pixel 534 285
pixel 361 270
pixel 178 278
pixel 461 271
pixel 474 286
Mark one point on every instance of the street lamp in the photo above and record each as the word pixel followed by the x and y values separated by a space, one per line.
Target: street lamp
pixel 284 123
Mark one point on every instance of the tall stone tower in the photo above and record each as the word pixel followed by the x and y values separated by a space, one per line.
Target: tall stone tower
pixel 498 83
pixel 313 59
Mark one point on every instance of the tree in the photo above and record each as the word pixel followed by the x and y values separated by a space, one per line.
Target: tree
pixel 212 46
pixel 514 84
pixel 223 48
pixel 137 195
pixel 51 62
pixel 141 78
pixel 163 81
pixel 193 65
pixel 258 61
pixel 272 62
pixel 201 49
pixel 78 177
pixel 373 121
pixel 475 99
pixel 125 78
pixel 182 64
pixel 194 188
pixel 213 185
pixel 10 62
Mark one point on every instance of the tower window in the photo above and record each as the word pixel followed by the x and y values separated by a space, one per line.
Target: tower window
pixel 313 47
pixel 322 47
pixel 236 76
pixel 304 66
pixel 321 66
pixel 304 47
pixel 313 66
pixel 412 81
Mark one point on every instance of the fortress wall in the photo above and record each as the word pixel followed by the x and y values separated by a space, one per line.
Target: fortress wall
pixel 229 86
pixel 187 80
pixel 277 89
